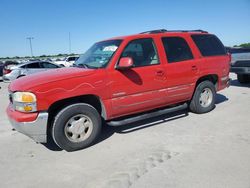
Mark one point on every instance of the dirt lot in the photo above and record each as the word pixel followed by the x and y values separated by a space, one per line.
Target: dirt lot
pixel 180 150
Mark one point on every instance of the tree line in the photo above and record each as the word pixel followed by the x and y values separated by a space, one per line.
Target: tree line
pixel 244 45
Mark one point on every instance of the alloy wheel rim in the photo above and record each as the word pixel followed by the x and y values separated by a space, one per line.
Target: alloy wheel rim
pixel 206 97
pixel 78 128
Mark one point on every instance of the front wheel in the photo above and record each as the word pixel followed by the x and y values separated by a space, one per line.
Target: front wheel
pixel 203 100
pixel 77 126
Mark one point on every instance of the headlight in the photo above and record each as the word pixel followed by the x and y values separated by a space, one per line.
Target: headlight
pixel 24 101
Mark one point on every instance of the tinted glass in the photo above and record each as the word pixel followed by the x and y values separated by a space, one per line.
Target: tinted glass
pixel 47 65
pixel 72 58
pixel 142 51
pixel 99 55
pixel 33 66
pixel 209 45
pixel 176 49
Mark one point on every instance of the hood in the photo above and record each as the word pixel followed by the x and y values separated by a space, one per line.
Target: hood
pixel 27 82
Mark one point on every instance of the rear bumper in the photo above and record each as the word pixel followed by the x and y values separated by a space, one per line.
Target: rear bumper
pixel 36 129
pixel 224 83
pixel 240 70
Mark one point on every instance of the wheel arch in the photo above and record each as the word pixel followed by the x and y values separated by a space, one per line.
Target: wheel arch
pixel 22 75
pixel 210 77
pixel 92 100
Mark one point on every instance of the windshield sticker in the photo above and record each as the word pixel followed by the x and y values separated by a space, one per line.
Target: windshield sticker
pixel 110 48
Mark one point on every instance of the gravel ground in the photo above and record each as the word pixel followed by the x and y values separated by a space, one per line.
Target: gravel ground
pixel 178 150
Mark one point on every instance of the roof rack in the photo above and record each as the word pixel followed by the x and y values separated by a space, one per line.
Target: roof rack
pixel 164 31
pixel 154 31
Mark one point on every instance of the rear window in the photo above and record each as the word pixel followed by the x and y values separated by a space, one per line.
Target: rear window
pixel 209 45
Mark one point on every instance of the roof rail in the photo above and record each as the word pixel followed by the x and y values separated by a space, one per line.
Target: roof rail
pixel 164 31
pixel 186 31
pixel 154 31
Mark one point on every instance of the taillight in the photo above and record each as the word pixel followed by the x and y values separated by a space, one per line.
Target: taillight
pixel 6 71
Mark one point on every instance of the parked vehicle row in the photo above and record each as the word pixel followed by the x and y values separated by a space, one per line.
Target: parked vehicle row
pixel 16 71
pixel 11 70
pixel 1 68
pixel 68 61
pixel 120 80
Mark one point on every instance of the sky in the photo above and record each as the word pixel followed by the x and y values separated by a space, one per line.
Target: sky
pixel 51 21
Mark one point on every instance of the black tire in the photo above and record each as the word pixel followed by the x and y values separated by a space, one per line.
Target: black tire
pixel 243 78
pixel 195 104
pixel 59 130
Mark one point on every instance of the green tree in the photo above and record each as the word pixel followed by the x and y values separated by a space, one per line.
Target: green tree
pixel 245 45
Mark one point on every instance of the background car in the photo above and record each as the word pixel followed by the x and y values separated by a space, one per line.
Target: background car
pixel 24 69
pixel 1 68
pixel 68 61
pixel 7 65
pixel 240 64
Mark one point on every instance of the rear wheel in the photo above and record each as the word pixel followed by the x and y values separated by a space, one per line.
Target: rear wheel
pixel 243 78
pixel 76 127
pixel 203 99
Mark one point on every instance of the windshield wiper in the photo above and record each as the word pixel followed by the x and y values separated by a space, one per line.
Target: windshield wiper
pixel 86 66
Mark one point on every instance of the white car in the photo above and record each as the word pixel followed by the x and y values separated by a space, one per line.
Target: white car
pixel 68 61
pixel 16 71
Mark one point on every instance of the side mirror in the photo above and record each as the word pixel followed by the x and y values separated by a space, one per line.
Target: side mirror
pixel 125 63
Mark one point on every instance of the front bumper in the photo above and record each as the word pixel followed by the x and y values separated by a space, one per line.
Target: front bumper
pixel 37 129
pixel 6 79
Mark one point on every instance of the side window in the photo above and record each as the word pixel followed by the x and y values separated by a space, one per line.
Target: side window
pixel 176 49
pixel 72 58
pixel 33 66
pixel 46 65
pixel 142 51
pixel 209 45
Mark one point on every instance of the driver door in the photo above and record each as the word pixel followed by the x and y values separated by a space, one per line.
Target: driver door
pixel 139 88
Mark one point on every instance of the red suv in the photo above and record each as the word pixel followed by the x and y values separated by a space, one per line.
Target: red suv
pixel 120 80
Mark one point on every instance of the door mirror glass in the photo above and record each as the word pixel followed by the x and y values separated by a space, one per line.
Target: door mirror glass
pixel 125 63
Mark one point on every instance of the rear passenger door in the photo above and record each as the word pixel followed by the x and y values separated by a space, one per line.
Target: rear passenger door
pixel 181 69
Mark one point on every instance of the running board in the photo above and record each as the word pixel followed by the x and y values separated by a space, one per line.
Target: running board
pixel 144 116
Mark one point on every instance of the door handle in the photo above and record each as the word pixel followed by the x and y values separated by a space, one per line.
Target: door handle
pixel 159 72
pixel 194 67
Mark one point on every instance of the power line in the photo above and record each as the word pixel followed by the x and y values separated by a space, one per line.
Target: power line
pixel 31 50
pixel 69 43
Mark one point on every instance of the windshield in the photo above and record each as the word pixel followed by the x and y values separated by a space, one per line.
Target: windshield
pixel 99 55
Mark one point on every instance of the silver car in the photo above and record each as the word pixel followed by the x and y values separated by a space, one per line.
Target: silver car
pixel 24 69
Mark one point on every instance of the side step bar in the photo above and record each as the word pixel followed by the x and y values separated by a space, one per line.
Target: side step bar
pixel 129 120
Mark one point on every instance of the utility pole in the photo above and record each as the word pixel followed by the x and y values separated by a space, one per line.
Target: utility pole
pixel 31 50
pixel 69 43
